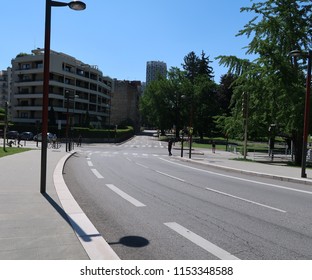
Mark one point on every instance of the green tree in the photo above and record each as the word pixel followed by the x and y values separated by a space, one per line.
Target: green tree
pixel 225 92
pixel 202 93
pixel 186 98
pixel 205 91
pixel 275 87
pixel 195 66
pixel 191 66
pixel 2 112
pixel 203 66
pixel 162 103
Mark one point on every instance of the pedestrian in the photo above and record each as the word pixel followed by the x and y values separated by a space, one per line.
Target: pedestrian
pixel 54 138
pixel 79 141
pixel 213 146
pixel 19 138
pixel 170 146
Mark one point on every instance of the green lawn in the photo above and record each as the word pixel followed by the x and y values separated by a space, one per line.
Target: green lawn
pixel 11 151
pixel 252 146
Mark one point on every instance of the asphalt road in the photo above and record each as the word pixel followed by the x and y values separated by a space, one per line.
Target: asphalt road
pixel 148 205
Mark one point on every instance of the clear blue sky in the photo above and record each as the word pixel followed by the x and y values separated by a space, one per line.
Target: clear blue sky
pixel 120 36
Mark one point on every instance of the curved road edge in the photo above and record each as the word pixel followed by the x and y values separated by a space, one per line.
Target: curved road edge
pixel 91 240
pixel 253 173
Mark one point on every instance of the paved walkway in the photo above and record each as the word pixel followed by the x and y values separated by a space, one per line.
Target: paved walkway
pixel 53 227
pixel 258 164
pixel 43 227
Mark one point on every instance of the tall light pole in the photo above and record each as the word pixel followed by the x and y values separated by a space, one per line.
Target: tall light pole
pixel 67 120
pixel 308 55
pixel 6 106
pixel 191 129
pixel 245 117
pixel 69 116
pixel 75 5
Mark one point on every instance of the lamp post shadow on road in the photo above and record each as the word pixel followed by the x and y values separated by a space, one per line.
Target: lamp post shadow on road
pixel 308 55
pixel 75 5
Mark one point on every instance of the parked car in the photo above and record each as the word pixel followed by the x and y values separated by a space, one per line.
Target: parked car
pixel 12 134
pixel 26 135
pixel 38 137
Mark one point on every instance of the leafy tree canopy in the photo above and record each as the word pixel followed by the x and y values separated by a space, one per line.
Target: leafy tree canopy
pixel 274 85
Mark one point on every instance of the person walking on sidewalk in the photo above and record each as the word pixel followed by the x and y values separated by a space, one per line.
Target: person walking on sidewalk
pixel 170 146
pixel 79 141
pixel 213 146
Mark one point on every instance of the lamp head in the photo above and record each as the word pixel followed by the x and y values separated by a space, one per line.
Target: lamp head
pixel 298 53
pixel 77 5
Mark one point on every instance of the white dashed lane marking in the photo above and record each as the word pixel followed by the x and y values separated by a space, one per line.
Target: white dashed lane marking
pixel 97 173
pixel 201 242
pixel 125 196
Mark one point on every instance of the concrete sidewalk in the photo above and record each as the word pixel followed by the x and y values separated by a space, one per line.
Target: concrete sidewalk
pixel 43 227
pixel 257 164
pixel 33 226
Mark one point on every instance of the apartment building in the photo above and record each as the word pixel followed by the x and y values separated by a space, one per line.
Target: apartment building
pixel 75 88
pixel 5 86
pixel 125 103
pixel 154 69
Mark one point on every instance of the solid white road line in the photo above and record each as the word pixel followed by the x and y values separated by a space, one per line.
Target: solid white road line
pixel 246 200
pixel 165 174
pixel 238 178
pixel 125 196
pixel 201 242
pixel 96 173
pixel 144 166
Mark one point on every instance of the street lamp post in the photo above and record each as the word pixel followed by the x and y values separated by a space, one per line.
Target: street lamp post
pixel 245 117
pixel 75 5
pixel 69 117
pixel 67 120
pixel 191 130
pixel 308 55
pixel 6 105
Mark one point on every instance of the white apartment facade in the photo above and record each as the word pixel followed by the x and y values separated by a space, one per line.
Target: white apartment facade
pixel 74 87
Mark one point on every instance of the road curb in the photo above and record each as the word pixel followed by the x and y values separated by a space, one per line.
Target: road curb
pixel 253 173
pixel 92 241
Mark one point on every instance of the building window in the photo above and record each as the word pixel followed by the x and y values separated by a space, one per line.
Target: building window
pixel 24 115
pixel 26 78
pixel 26 66
pixel 24 90
pixel 80 72
pixel 24 103
pixel 67 68
pixel 67 81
